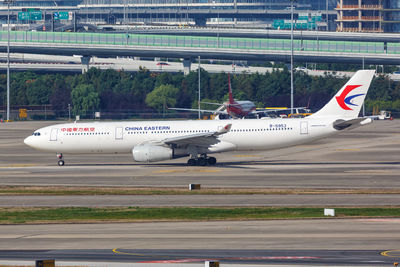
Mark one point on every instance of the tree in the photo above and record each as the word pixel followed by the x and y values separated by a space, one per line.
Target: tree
pixel 61 95
pixel 162 96
pixel 38 91
pixel 84 98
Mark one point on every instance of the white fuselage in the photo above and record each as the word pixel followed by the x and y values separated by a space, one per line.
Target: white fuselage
pixel 121 137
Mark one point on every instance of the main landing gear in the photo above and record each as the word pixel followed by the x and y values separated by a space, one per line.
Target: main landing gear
pixel 202 161
pixel 60 159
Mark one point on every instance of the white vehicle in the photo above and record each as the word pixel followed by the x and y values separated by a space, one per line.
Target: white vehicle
pixel 304 69
pixel 151 141
pixel 383 115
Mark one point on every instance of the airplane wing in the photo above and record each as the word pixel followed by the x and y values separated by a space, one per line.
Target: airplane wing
pixel 201 110
pixel 350 124
pixel 200 139
pixel 210 103
pixel 277 109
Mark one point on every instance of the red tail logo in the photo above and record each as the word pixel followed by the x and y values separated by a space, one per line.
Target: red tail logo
pixel 342 100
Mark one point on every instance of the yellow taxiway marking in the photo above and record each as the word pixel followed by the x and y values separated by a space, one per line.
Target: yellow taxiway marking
pixel 246 156
pixel 369 171
pixel 391 253
pixel 176 171
pixel 115 250
pixel 18 166
pixel 348 149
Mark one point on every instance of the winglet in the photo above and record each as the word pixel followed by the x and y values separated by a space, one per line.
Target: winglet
pixel 225 129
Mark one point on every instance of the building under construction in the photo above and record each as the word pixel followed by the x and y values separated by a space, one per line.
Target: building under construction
pixel 368 16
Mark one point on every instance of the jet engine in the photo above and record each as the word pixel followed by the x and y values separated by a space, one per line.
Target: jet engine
pixel 150 153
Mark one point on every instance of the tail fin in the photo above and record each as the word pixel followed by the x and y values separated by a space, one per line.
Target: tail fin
pixel 348 101
pixel 231 100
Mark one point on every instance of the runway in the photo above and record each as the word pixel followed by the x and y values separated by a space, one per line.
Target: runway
pixel 364 159
pixel 367 157
pixel 197 257
pixel 326 242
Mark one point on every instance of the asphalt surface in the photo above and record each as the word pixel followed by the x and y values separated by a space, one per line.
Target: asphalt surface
pixel 320 242
pixel 365 158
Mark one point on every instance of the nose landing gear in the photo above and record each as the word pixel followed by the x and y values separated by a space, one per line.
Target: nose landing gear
pixel 60 160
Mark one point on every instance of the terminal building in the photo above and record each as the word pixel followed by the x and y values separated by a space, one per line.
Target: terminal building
pixel 340 15
pixel 368 15
pixel 247 13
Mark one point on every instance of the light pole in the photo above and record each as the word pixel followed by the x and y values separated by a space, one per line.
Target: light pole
pixel 327 16
pixel 291 57
pixel 8 2
pixel 69 112
pixel 199 89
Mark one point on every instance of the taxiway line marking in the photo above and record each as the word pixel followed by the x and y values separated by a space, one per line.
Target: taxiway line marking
pixel 391 253
pixel 185 171
pixel 18 166
pixel 246 156
pixel 234 258
pixel 115 250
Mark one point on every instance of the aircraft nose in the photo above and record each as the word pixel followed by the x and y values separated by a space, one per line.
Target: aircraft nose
pixel 28 141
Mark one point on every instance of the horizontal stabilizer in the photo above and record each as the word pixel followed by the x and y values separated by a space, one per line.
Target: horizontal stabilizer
pixel 351 124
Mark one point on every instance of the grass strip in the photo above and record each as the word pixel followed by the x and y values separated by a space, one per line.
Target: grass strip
pixel 76 190
pixel 131 214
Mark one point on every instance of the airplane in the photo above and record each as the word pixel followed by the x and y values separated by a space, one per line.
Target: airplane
pixel 236 109
pixel 152 141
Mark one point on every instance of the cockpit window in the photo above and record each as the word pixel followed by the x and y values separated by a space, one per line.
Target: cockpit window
pixel 36 134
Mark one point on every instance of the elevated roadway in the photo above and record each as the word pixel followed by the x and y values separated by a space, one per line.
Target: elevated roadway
pixel 265 33
pixel 190 47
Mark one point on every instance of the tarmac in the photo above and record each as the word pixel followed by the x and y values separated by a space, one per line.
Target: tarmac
pixel 366 158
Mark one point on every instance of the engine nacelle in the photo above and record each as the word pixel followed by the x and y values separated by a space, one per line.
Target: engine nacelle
pixel 150 153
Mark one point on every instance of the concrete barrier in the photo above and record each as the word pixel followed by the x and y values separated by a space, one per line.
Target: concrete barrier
pixel 45 263
pixel 194 186
pixel 211 264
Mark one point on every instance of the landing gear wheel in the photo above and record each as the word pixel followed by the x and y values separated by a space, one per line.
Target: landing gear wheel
pixel 191 162
pixel 202 162
pixel 211 161
pixel 61 163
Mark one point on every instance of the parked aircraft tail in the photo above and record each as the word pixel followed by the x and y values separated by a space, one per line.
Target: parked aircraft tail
pixel 231 100
pixel 347 103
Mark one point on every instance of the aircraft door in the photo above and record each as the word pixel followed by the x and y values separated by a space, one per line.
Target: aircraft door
pixel 304 127
pixel 119 133
pixel 53 134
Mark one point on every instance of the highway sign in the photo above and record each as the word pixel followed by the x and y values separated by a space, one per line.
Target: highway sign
pixel 23 15
pixel 35 15
pixel 63 15
pixel 31 15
